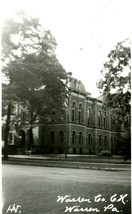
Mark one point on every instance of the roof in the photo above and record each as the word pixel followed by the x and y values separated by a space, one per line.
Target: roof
pixel 76 84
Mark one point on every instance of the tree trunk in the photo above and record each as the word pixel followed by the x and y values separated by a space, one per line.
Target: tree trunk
pixel 31 132
pixel 7 128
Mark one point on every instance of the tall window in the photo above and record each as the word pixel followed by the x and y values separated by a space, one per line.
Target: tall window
pixel 99 118
pixel 105 141
pixel 105 120
pixel 113 121
pixel 89 139
pixel 80 113
pixel 61 137
pixel 73 112
pixel 110 121
pixel 73 137
pixel 80 138
pixel 52 137
pixel 89 115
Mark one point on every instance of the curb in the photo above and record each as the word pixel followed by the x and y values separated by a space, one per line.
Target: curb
pixel 67 165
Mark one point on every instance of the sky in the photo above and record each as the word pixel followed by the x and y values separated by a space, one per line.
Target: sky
pixel 85 31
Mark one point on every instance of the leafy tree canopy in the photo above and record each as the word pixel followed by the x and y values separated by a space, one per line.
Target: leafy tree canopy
pixel 115 83
pixel 33 74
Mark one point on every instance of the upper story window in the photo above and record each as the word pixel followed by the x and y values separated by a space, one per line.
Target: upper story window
pixel 89 112
pixel 105 120
pixel 80 113
pixel 99 118
pixel 73 112
pixel 110 120
pixel 113 121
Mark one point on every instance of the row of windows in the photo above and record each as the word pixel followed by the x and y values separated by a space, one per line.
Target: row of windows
pixel 74 137
pixel 80 115
pixel 105 141
pixel 89 110
pixel 80 141
pixel 60 137
pixel 89 139
pixel 102 119
pixel 101 139
pixel 77 116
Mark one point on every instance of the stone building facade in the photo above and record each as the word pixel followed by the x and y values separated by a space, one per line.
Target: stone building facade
pixel 84 127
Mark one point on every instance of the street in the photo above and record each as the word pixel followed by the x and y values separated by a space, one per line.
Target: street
pixel 50 190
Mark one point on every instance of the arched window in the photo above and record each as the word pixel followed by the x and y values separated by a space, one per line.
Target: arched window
pixel 61 137
pixel 105 120
pixel 99 118
pixel 113 121
pixel 89 139
pixel 105 141
pixel 73 112
pixel 80 138
pixel 74 137
pixel 89 116
pixel 80 113
pixel 52 137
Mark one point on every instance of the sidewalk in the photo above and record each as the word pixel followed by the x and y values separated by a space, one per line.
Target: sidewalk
pixel 72 161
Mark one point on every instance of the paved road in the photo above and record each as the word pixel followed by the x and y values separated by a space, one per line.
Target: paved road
pixel 36 190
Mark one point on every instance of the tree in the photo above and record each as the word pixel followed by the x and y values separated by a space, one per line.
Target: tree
pixel 115 86
pixel 34 76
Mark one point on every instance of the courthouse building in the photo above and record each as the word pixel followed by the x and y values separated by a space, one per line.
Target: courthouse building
pixel 84 127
